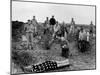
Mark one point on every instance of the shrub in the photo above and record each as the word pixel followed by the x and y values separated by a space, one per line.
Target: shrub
pixel 22 58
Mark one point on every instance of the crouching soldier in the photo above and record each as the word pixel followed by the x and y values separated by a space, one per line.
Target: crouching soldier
pixel 64 47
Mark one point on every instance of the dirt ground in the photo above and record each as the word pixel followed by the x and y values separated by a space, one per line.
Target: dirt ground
pixel 78 60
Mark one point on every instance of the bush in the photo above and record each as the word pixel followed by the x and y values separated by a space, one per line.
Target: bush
pixel 17 29
pixel 22 58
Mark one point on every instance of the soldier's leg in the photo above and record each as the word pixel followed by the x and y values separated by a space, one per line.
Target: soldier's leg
pixel 32 40
pixel 27 36
pixel 29 45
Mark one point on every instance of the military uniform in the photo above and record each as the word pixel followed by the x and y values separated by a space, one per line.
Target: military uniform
pixel 83 42
pixel 65 48
pixel 30 29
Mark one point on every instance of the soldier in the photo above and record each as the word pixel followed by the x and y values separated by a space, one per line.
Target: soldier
pixel 46 26
pixel 77 34
pixel 92 29
pixel 29 29
pixel 88 36
pixel 82 35
pixel 65 47
pixel 72 26
pixel 46 23
pixel 63 32
pixel 34 23
pixel 83 42
pixel 56 29
pixel 52 22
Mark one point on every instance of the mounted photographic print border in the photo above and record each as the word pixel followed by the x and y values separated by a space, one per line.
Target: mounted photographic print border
pixel 45 39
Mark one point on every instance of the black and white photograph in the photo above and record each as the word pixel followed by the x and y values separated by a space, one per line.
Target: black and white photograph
pixel 52 37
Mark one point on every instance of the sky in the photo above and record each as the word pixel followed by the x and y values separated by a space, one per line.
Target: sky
pixel 22 11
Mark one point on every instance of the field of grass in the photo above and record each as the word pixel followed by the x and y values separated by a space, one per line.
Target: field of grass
pixel 78 60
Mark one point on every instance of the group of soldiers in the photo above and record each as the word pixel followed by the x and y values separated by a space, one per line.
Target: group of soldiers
pixel 62 33
pixel 57 30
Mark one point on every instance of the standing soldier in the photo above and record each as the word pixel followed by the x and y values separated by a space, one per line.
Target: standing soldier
pixel 46 23
pixel 52 22
pixel 82 35
pixel 29 29
pixel 88 36
pixel 91 29
pixel 56 29
pixel 83 42
pixel 35 24
pixel 72 26
pixel 46 26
